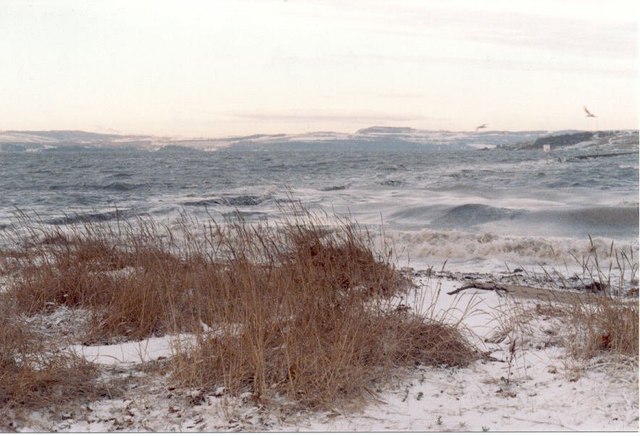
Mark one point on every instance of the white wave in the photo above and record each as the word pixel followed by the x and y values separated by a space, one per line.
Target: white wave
pixel 488 251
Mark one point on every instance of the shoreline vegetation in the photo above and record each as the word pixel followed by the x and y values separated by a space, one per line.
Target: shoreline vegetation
pixel 295 315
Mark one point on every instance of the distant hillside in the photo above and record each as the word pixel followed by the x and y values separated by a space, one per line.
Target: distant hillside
pixel 569 139
pixel 376 136
pixel 375 130
pixel 617 138
pixel 72 136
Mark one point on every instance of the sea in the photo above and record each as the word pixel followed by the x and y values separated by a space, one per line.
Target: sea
pixel 476 209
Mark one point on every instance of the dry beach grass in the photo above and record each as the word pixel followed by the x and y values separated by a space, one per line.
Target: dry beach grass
pixel 33 376
pixel 603 316
pixel 603 324
pixel 297 314
pixel 294 309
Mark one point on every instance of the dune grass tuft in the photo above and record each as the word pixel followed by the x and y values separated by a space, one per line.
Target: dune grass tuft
pixel 603 324
pixel 297 308
pixel 33 376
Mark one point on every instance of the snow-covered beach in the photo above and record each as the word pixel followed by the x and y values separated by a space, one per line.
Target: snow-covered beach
pixel 540 388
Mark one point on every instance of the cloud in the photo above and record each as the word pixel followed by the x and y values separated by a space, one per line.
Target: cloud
pixel 494 61
pixel 296 117
pixel 569 29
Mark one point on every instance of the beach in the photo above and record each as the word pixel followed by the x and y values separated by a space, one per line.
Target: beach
pixel 540 387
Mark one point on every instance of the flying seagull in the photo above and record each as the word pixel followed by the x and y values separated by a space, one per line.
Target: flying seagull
pixel 481 126
pixel 589 114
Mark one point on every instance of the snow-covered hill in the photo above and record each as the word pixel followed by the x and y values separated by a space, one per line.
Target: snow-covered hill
pixel 18 141
pixel 611 139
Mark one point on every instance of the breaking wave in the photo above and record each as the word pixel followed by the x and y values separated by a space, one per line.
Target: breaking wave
pixel 471 214
pixel 437 246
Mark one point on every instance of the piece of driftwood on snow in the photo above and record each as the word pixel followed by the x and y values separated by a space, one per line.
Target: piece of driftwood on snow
pixel 487 286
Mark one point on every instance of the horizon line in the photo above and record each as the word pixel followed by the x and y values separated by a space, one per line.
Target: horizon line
pixel 113 132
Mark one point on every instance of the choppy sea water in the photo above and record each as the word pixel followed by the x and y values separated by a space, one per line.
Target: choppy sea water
pixel 476 207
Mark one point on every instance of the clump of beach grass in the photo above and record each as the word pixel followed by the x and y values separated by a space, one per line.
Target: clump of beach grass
pixel 297 308
pixel 601 324
pixel 33 376
pixel 604 317
pixel 598 306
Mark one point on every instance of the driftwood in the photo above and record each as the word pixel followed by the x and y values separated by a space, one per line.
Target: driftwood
pixel 487 286
pixel 530 292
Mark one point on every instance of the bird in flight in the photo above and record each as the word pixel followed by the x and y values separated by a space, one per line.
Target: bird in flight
pixel 481 126
pixel 589 114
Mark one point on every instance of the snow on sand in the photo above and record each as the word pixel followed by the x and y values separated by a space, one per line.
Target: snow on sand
pixel 536 388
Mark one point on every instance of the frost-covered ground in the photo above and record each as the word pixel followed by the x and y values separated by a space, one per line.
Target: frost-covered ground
pixel 527 382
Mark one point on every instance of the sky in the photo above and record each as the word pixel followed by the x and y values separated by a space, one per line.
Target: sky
pixel 237 67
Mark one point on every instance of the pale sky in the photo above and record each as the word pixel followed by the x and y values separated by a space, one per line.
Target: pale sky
pixel 235 67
